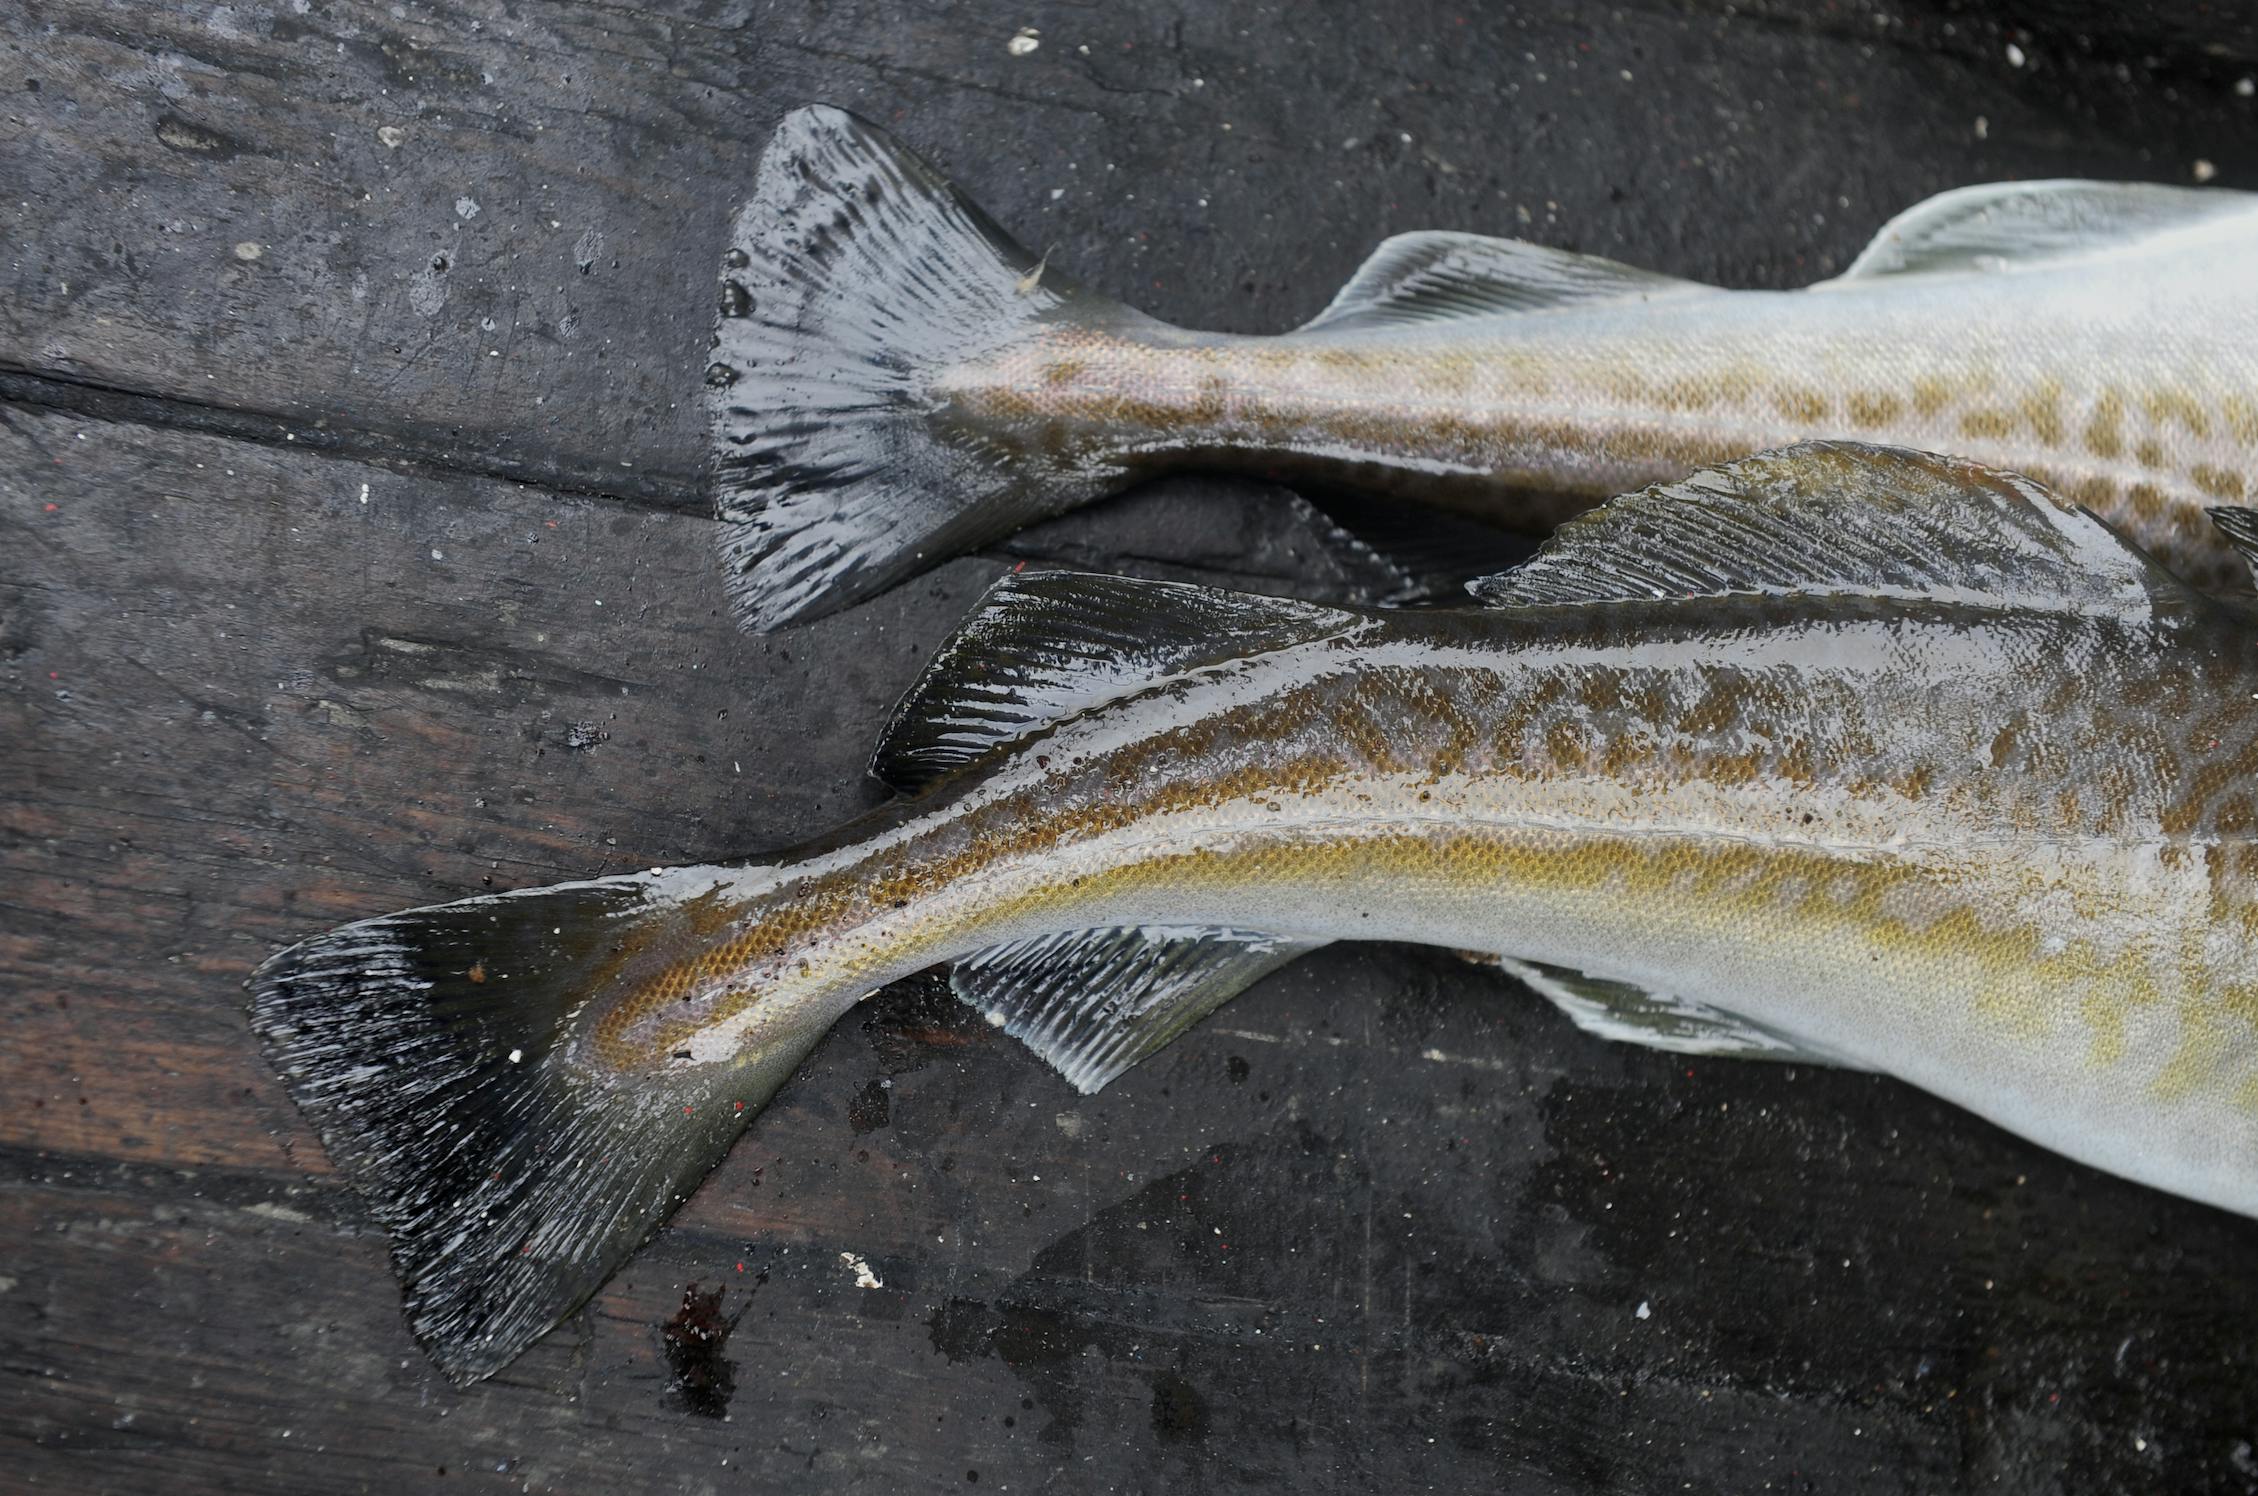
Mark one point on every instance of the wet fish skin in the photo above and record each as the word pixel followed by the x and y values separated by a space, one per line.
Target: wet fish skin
pixel 2102 337
pixel 1759 744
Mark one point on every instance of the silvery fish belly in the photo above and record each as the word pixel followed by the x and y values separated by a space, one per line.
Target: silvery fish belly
pixel 1841 754
pixel 895 381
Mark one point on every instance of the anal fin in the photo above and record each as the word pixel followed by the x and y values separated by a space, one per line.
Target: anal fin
pixel 1092 1003
pixel 1659 1020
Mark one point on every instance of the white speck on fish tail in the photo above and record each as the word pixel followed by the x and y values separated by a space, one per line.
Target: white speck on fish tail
pixel 1479 1062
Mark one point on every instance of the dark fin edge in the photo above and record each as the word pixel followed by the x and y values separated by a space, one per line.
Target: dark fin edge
pixel 511 1188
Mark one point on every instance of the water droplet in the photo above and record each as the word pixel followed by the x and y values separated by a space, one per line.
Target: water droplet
pixel 736 301
pixel 736 259
pixel 720 376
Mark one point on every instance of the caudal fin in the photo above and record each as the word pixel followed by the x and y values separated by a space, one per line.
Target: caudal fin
pixel 442 1055
pixel 856 280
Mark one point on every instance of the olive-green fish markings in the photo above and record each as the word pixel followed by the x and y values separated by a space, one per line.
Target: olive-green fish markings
pixel 1841 753
pixel 900 391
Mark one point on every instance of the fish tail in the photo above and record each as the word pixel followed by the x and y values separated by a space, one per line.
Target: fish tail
pixel 442 1054
pixel 857 280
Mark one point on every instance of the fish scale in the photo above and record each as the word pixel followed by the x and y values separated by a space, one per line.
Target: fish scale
pixel 1972 815
pixel 904 383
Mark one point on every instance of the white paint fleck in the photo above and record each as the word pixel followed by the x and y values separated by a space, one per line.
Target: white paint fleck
pixel 2245 87
pixel 249 249
pixel 364 493
pixel 2015 57
pixel 392 136
pixel 427 292
pixel 517 1056
pixel 586 251
pixel 437 554
pixel 466 208
pixel 2204 170
pixel 864 1277
pixel 1983 128
pixel 6 1283
pixel 1026 41
pixel 1644 1311
pixel 1070 1123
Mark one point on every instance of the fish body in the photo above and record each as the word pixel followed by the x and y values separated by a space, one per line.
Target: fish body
pixel 1839 754
pixel 2102 337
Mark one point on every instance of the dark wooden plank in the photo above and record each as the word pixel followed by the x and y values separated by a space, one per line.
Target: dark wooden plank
pixel 1385 1224
pixel 257 692
pixel 1221 166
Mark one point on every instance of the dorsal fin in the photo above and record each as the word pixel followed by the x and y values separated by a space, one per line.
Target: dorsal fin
pixel 1043 646
pixel 2000 225
pixel 1431 277
pixel 1842 518
pixel 2240 526
pixel 1092 1003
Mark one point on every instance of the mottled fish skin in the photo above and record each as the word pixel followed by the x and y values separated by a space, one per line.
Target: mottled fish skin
pixel 2005 856
pixel 896 381
pixel 2127 381
pixel 1862 756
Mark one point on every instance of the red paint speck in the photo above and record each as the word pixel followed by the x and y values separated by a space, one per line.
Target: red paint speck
pixel 686 1111
pixel 54 509
pixel 1017 567
pixel 740 1267
pixel 740 1106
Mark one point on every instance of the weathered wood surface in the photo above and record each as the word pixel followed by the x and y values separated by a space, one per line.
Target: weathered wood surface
pixel 319 597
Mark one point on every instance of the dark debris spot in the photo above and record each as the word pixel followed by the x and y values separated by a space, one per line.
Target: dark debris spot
pixel 871 1109
pixel 701 1375
pixel 1179 1412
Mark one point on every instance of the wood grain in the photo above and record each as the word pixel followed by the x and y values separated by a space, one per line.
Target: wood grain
pixel 319 596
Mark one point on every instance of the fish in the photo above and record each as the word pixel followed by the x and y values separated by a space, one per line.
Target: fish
pixel 895 381
pixel 1839 754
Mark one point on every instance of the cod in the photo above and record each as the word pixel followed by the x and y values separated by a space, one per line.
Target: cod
pixel 895 381
pixel 1841 754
